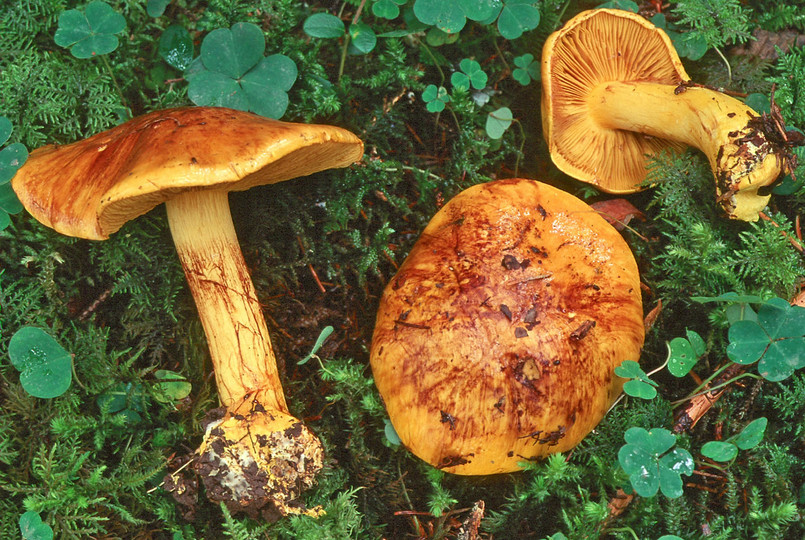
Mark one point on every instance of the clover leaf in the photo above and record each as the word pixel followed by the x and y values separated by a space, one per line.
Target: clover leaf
pixel 748 438
pixel 12 157
pixel 90 32
pixel 498 121
pixel 171 386
pixel 176 47
pixel 437 38
pixel 690 45
pixel 516 17
pixel 526 70
pixel 362 39
pixel 231 71
pixel 639 385
pixel 451 15
pixel 626 5
pixel 33 528
pixel 471 74
pixel 387 9
pixel 323 25
pixel 156 8
pixel 684 353
pixel 652 463
pixel 435 98
pixel 46 369
pixel 776 339
pixel 127 400
pixel 391 433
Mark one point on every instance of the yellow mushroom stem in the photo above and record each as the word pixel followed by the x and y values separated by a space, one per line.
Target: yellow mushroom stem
pixel 227 303
pixel 741 156
pixel 256 457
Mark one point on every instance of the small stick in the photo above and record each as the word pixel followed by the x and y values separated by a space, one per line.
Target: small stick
pixel 94 305
pixel 316 278
pixel 793 241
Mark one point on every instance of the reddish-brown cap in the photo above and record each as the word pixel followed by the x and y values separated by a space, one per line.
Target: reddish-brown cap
pixel 497 340
pixel 90 188
pixel 595 47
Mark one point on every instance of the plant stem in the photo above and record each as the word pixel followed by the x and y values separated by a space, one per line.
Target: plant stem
pixel 114 81
pixel 716 387
pixel 343 60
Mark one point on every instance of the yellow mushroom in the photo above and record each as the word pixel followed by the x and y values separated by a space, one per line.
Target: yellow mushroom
pixel 615 92
pixel 496 341
pixel 257 456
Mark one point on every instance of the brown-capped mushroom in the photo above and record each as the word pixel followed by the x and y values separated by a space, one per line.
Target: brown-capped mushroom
pixel 257 456
pixel 496 341
pixel 615 92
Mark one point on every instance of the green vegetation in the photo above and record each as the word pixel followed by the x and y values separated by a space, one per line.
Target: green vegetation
pixel 104 375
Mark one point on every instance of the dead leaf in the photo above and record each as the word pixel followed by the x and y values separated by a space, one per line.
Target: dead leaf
pixel 618 212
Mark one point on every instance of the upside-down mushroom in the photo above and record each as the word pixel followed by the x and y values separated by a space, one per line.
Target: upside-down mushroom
pixel 496 341
pixel 257 456
pixel 615 92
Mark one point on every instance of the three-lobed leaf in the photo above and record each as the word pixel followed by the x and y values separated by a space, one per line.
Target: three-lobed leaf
pixel 526 70
pixel 471 75
pixel 652 464
pixel 776 339
pixel 90 32
pixel 435 98
pixel 232 72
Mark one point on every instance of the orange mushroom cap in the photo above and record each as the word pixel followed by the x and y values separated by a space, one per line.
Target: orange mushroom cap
pixel 92 187
pixel 496 341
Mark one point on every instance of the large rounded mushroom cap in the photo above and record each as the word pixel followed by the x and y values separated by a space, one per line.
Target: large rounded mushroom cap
pixel 496 341
pixel 596 47
pixel 92 187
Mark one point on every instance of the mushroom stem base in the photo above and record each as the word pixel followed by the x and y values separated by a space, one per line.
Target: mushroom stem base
pixel 259 461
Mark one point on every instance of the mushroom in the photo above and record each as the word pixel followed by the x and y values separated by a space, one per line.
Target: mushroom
pixel 496 341
pixel 615 91
pixel 256 455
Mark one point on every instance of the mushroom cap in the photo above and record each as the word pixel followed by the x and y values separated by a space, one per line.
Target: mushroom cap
pixel 599 46
pixel 92 187
pixel 496 341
